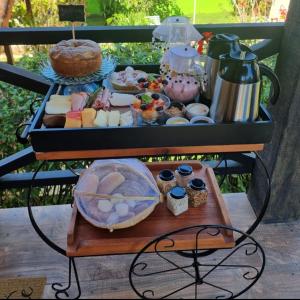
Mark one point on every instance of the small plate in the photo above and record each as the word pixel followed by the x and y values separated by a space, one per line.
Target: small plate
pixel 108 66
pixel 107 84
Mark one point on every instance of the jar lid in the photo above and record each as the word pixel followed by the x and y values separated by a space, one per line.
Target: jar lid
pixel 197 184
pixel 178 192
pixel 185 170
pixel 166 175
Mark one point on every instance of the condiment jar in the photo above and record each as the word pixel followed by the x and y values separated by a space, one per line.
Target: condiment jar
pixel 165 181
pixel 177 200
pixel 197 192
pixel 184 174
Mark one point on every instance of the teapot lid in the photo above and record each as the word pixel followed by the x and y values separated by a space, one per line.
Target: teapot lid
pixel 223 43
pixel 244 56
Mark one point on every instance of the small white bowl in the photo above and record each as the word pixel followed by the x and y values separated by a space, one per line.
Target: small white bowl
pixel 177 121
pixel 202 120
pixel 196 109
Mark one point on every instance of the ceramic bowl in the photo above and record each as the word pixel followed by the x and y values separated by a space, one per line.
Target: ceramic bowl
pixel 196 109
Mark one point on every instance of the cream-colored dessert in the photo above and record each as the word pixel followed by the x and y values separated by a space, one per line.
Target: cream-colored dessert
pixel 182 88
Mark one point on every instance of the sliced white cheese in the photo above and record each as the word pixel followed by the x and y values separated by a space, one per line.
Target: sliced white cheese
pixel 57 108
pixel 126 119
pixel 114 118
pixel 101 119
pixel 122 99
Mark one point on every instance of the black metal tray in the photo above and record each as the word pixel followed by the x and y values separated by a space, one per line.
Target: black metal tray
pixel 60 139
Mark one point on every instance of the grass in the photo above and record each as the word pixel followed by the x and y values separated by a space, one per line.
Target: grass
pixel 208 11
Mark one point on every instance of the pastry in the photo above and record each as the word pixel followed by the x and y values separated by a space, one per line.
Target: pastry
pixel 88 116
pixel 110 182
pixel 54 121
pixel 79 101
pixel 113 118
pixel 101 118
pixel 58 105
pixel 105 206
pixel 122 209
pixel 73 119
pixel 117 99
pixel 75 58
pixel 128 79
pixel 90 185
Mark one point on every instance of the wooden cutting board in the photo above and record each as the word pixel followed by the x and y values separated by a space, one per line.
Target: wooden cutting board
pixel 86 240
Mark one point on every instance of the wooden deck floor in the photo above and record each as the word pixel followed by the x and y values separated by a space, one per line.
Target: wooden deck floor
pixel 22 253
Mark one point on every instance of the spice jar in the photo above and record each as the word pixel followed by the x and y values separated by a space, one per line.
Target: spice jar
pixel 197 192
pixel 177 200
pixel 165 181
pixel 184 174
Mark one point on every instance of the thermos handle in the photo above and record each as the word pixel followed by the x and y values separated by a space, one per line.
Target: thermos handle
pixel 266 71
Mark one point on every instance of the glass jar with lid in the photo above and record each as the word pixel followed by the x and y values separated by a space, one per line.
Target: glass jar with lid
pixel 177 200
pixel 197 192
pixel 165 181
pixel 184 174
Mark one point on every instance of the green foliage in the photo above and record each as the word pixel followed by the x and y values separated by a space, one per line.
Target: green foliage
pixel 129 12
pixel 45 13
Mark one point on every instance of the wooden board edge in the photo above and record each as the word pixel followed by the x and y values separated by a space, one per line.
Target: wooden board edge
pixel 220 199
pixel 136 152
pixel 72 225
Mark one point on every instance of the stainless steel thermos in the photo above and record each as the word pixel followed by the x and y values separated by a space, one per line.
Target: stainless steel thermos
pixel 237 88
pixel 219 44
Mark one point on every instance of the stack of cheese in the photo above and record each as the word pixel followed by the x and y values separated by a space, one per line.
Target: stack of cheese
pixel 113 119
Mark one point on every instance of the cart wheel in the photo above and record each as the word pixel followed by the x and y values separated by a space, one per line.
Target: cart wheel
pixel 158 272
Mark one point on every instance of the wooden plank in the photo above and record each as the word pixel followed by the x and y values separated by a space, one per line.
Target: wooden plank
pixel 281 155
pixel 22 254
pixel 136 152
pixel 86 240
pixel 119 34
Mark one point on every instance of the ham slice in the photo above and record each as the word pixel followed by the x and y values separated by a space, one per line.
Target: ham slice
pixel 79 101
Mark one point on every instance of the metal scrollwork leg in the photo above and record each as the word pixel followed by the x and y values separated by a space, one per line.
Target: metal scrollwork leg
pixel 199 274
pixel 57 287
pixel 60 290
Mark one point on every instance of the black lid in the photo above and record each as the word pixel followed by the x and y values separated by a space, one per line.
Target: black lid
pixel 166 175
pixel 185 170
pixel 197 184
pixel 178 192
pixel 240 56
pixel 223 43
pixel 239 67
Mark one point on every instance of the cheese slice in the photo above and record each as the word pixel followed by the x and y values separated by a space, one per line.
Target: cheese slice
pixel 88 116
pixel 114 118
pixel 126 119
pixel 101 118
pixel 58 105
